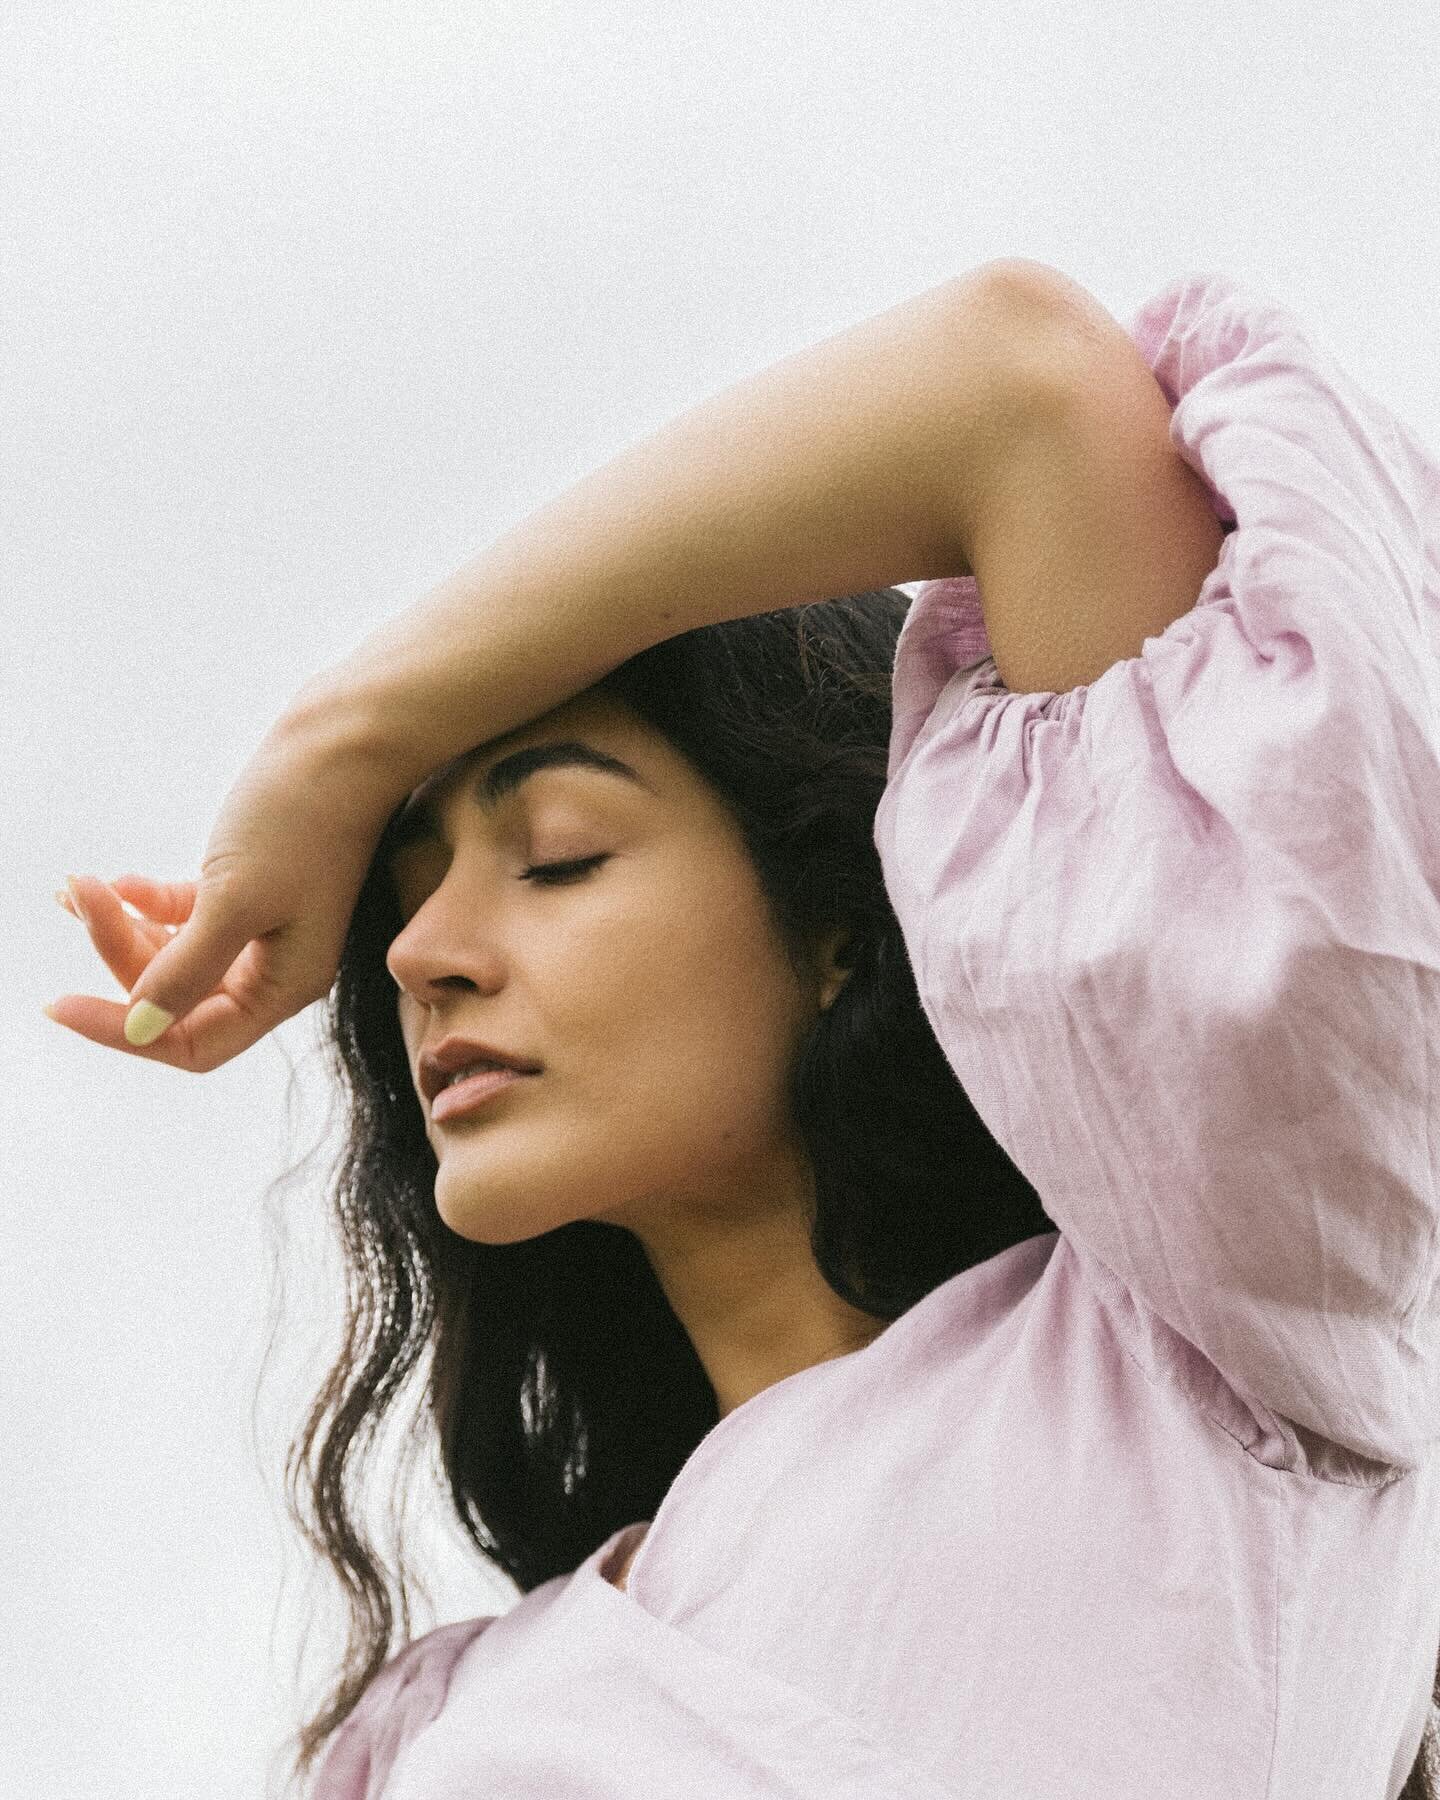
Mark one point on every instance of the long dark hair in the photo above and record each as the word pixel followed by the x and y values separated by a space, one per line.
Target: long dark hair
pixel 547 1442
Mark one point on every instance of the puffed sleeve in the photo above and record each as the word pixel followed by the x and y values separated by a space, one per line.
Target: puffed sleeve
pixel 400 1701
pixel 1178 930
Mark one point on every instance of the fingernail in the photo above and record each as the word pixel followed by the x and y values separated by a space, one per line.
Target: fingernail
pixel 144 1022
pixel 63 899
pixel 75 900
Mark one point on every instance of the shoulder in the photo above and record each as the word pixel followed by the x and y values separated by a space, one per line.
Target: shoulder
pixel 404 1697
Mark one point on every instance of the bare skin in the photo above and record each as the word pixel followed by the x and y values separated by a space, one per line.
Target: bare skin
pixel 655 992
pixel 622 1575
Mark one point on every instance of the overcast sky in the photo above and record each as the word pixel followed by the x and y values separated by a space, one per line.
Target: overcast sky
pixel 302 306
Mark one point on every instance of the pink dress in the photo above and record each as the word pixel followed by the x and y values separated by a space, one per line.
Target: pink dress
pixel 1148 1505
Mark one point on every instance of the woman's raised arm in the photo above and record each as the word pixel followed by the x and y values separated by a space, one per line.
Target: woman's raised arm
pixel 851 465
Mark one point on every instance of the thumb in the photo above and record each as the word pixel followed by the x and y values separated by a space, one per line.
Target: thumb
pixel 190 967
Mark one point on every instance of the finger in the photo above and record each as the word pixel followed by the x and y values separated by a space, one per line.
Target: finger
pixel 126 945
pixel 171 902
pixel 67 900
pixel 190 1044
pixel 103 1022
pixel 191 966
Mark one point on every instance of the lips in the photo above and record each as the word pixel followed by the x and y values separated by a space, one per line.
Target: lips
pixel 468 1092
pixel 452 1054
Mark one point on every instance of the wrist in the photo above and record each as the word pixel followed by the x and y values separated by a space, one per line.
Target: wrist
pixel 511 634
pixel 334 730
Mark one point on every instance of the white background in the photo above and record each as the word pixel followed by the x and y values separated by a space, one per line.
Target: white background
pixel 301 306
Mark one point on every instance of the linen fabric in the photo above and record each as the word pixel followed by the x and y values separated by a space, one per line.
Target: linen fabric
pixel 1149 1504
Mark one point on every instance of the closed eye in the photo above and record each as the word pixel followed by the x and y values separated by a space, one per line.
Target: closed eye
pixel 562 874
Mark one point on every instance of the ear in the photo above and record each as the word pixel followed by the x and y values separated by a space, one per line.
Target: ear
pixel 832 963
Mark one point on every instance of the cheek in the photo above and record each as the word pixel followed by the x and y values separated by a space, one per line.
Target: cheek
pixel 410 1020
pixel 696 1016
pixel 411 1025
pixel 668 1040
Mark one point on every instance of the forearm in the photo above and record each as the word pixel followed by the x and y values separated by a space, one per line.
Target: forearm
pixel 848 466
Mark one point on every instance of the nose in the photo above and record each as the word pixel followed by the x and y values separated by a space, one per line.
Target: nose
pixel 444 942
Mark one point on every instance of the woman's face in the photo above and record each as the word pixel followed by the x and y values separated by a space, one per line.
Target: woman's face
pixel 650 986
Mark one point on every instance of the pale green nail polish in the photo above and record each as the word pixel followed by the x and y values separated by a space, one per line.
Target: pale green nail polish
pixel 144 1022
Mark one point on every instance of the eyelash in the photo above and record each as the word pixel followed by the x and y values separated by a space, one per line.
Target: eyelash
pixel 562 874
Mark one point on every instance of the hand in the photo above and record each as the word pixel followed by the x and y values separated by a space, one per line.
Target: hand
pixel 259 936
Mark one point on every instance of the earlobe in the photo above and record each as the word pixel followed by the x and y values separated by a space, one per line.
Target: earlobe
pixel 832 988
pixel 837 960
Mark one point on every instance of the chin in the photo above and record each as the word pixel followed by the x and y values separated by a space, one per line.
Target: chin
pixel 505 1222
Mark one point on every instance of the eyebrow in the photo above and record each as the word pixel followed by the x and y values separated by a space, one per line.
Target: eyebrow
pixel 419 821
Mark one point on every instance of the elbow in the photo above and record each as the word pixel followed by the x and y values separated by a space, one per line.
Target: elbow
pixel 1048 315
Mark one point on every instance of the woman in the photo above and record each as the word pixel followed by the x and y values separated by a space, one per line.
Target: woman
pixel 942 1301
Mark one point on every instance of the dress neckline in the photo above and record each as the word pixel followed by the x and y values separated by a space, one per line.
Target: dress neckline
pixel 888 1342
pixel 646 1530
